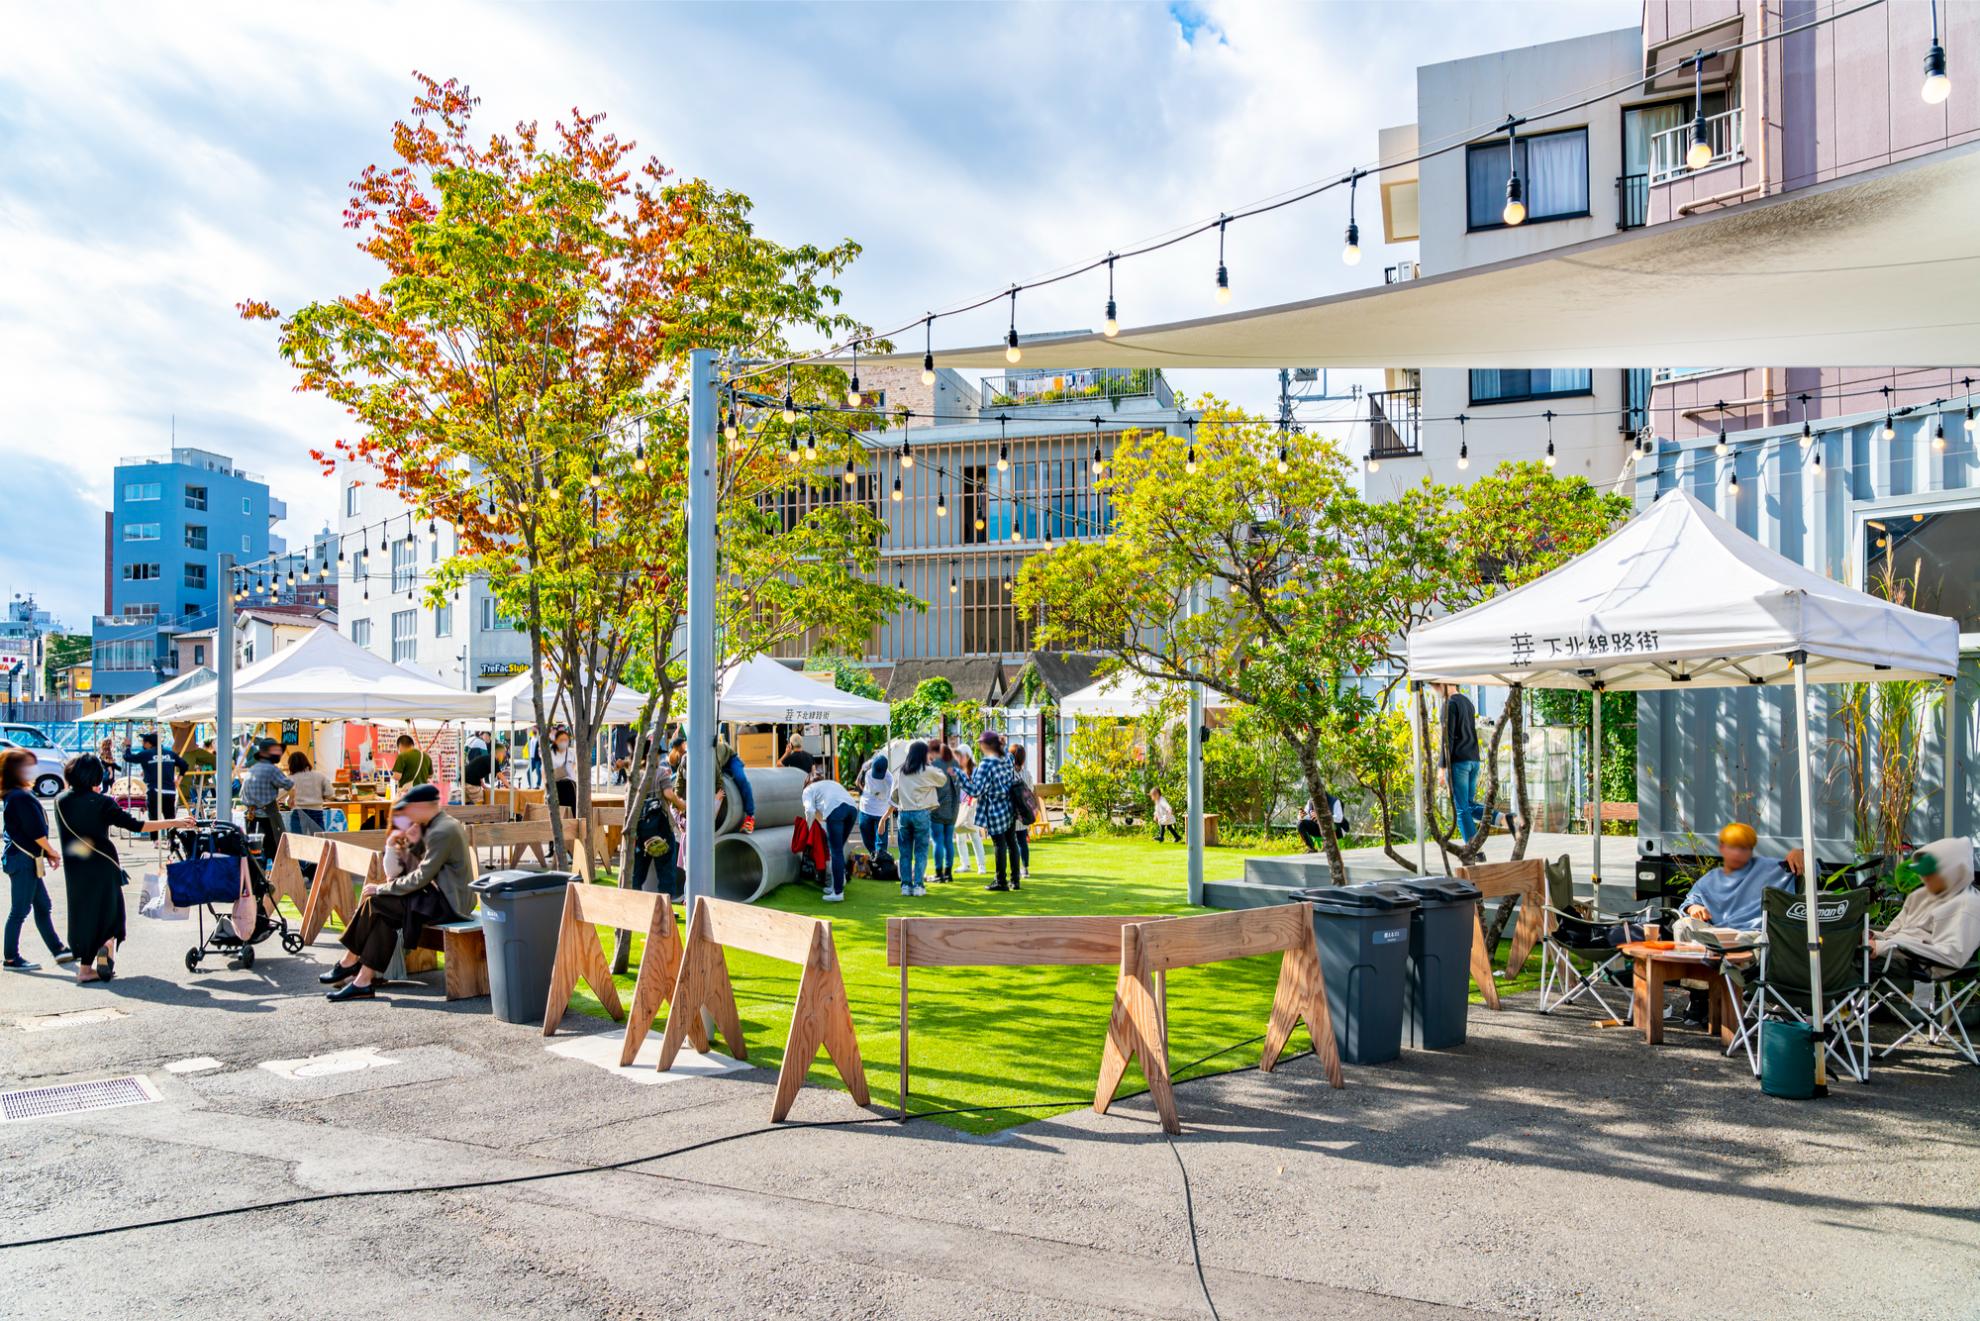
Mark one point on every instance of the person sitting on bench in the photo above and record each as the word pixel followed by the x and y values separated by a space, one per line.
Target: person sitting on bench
pixel 1727 898
pixel 1938 928
pixel 431 893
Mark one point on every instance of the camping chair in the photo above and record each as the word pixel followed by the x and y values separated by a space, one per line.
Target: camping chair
pixel 1779 985
pixel 1942 1022
pixel 1577 935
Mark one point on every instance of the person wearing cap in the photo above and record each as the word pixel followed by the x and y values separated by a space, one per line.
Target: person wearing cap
pixel 431 893
pixel 1728 898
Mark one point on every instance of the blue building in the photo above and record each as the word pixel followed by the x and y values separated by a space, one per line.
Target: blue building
pixel 171 517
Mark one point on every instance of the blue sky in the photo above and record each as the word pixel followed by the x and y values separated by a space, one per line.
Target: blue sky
pixel 160 163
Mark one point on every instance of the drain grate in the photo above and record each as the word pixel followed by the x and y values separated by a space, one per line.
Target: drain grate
pixel 74 1098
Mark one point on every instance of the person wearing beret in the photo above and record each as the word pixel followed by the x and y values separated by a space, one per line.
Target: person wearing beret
pixel 431 890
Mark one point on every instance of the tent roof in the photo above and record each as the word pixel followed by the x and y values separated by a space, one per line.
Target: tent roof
pixel 326 676
pixel 1679 596
pixel 1123 693
pixel 759 689
pixel 513 701
pixel 1855 271
pixel 144 705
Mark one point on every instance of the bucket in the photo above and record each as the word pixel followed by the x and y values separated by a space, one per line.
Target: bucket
pixel 1787 1060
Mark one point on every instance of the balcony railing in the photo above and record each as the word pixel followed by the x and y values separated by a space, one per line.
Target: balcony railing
pixel 1724 134
pixel 1392 424
pixel 1024 389
pixel 1632 201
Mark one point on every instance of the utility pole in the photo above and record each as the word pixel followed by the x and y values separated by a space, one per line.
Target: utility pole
pixel 223 693
pixel 700 788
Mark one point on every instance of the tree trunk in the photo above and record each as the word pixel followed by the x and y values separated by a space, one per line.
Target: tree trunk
pixel 559 851
pixel 1382 801
pixel 1316 788
pixel 1515 715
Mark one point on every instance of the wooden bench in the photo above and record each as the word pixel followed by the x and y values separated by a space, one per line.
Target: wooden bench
pixel 463 948
pixel 1611 812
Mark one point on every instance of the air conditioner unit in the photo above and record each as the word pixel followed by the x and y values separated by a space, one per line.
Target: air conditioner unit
pixel 1401 271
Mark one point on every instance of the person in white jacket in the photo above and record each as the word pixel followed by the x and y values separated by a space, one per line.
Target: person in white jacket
pixel 1938 928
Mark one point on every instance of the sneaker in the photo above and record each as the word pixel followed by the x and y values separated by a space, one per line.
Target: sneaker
pixel 996 885
pixel 748 825
pixel 907 891
pixel 66 956
pixel 832 898
pixel 21 965
pixel 920 891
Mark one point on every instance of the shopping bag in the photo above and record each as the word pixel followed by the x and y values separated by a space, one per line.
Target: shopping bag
pixel 204 880
pixel 155 900
pixel 244 906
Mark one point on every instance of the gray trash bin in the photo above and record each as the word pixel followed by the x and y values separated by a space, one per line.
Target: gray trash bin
pixel 1437 994
pixel 521 912
pixel 1363 934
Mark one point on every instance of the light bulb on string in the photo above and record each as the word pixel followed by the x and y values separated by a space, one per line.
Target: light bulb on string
pixel 897 490
pixel 1515 208
pixel 1720 448
pixel 790 401
pixel 1351 253
pixel 851 474
pixel 1807 431
pixel 1099 459
pixel 1464 444
pixel 1112 325
pixel 792 453
pixel 941 503
pixel 1011 351
pixel 1890 427
pixel 1939 433
pixel 811 441
pixel 1223 271
pixel 1699 155
pixel 1549 415
pixel 1282 466
pixel 907 452
pixel 928 350
pixel 853 397
pixel 1732 481
pixel 732 424
pixel 1937 87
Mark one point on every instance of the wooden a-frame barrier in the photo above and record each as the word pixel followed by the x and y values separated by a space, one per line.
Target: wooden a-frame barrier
pixel 1001 942
pixel 821 1016
pixel 1149 949
pixel 589 907
pixel 1526 879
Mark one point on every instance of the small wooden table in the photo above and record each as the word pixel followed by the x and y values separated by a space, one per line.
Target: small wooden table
pixel 1658 964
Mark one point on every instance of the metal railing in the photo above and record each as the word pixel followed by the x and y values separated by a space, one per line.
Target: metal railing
pixel 1632 201
pixel 1024 389
pixel 1724 134
pixel 1392 424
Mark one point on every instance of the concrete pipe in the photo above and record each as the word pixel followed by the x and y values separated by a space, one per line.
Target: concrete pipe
pixel 779 799
pixel 748 867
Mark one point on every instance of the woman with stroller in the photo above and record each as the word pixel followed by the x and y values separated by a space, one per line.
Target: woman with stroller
pixel 431 890
pixel 92 875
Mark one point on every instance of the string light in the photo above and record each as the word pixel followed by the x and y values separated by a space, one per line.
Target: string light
pixel 897 490
pixel 928 351
pixel 1223 272
pixel 853 397
pixel 1549 415
pixel 941 502
pixel 1515 208
pixel 1282 466
pixel 792 454
pixel 1011 351
pixel 1732 481
pixel 811 441
pixel 1939 433
pixel 1720 448
pixel 907 452
pixel 1351 254
pixel 1099 459
pixel 851 475
pixel 1808 432
pixel 1189 463
pixel 1464 445
pixel 1700 154
pixel 1937 86
pixel 732 425
pixel 1003 442
pixel 1112 325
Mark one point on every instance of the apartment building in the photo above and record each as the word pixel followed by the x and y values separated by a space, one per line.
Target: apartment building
pixel 172 516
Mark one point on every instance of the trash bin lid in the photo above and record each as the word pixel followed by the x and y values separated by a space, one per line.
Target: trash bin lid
pixel 518 880
pixel 1367 897
pixel 1442 891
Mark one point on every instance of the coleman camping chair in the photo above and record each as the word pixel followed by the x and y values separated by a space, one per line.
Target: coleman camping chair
pixel 1577 935
pixel 1940 1021
pixel 1779 985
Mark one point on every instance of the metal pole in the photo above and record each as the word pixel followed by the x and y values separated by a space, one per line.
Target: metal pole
pixel 1809 883
pixel 1595 806
pixel 1195 804
pixel 1951 708
pixel 700 786
pixel 1417 740
pixel 223 693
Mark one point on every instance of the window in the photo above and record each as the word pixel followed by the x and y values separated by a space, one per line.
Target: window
pixel 247 505
pixel 124 654
pixel 1927 558
pixel 140 573
pixel 196 497
pixel 1553 170
pixel 404 565
pixel 1494 385
pixel 361 632
pixel 140 531
pixel 351 500
pixel 492 619
pixel 404 635
pixel 195 536
pixel 199 653
pixel 141 610
pixel 443 620
pixel 247 546
pixel 135 491
pixel 196 575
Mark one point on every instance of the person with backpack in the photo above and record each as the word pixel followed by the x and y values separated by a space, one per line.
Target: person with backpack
pixel 991 785
pixel 1024 808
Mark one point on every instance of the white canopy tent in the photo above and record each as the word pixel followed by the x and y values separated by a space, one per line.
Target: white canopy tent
pixel 144 706
pixel 761 690
pixel 1679 597
pixel 1123 694
pixel 514 703
pixel 326 676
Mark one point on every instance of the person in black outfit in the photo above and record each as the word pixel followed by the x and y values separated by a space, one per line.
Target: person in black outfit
pixel 797 758
pixel 161 771
pixel 94 877
pixel 488 765
pixel 1457 760
pixel 26 849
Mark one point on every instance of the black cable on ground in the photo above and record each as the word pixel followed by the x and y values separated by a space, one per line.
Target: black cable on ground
pixel 311 1199
pixel 1195 1248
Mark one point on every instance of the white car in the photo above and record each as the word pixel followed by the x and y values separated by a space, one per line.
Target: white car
pixel 48 758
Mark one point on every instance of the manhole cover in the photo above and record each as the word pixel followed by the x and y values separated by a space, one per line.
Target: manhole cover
pixel 74 1098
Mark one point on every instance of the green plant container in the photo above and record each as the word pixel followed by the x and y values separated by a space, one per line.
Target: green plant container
pixel 1787 1060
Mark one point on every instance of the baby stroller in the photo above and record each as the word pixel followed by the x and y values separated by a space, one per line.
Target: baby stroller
pixel 206 875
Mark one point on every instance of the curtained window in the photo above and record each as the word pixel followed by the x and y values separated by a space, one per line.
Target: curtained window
pixel 1497 385
pixel 1553 170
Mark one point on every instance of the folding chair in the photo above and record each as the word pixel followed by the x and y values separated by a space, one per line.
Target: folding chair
pixel 1576 935
pixel 1942 1023
pixel 1779 984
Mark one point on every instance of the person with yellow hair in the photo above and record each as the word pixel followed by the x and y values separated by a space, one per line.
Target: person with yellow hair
pixel 1726 900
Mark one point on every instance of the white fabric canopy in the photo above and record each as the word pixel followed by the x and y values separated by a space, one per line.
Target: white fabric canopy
pixel 1123 694
pixel 144 705
pixel 1678 596
pixel 326 676
pixel 1864 271
pixel 759 689
pixel 513 702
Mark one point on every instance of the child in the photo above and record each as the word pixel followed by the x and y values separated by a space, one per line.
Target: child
pixel 1165 817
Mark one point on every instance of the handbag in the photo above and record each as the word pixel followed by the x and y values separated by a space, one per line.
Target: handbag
pixel 207 879
pixel 246 911
pixel 1022 806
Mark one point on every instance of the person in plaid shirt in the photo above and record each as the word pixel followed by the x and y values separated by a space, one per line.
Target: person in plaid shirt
pixel 990 785
pixel 262 784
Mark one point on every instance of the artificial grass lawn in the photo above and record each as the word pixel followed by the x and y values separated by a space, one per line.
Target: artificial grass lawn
pixel 1030 1037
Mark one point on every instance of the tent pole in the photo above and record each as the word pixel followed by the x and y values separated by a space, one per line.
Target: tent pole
pixel 1951 708
pixel 1595 808
pixel 1809 882
pixel 699 791
pixel 223 694
pixel 1194 786
pixel 1416 753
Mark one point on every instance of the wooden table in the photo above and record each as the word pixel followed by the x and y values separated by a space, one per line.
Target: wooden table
pixel 1658 965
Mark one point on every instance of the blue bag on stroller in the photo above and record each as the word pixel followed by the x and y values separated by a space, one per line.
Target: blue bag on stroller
pixel 208 879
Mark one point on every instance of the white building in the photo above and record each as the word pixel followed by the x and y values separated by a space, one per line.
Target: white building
pixel 389 559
